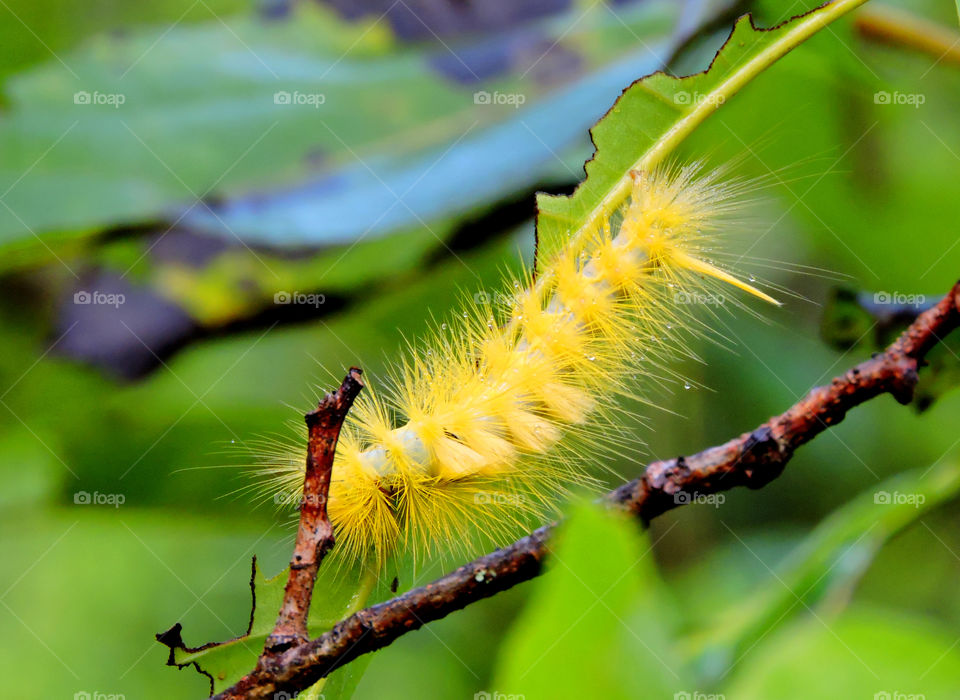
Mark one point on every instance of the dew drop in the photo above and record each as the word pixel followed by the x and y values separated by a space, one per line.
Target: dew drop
pixel 443 326
pixel 686 385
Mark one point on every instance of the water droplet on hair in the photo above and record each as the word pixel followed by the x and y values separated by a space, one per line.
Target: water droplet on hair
pixel 686 385
pixel 443 326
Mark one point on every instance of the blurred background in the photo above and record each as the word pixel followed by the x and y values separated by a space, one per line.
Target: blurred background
pixel 211 208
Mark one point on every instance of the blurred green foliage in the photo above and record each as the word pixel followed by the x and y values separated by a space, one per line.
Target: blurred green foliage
pixel 853 187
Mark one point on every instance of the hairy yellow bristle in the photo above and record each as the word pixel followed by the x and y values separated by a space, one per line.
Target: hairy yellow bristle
pixel 499 414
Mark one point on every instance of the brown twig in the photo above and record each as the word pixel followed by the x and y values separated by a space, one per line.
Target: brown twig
pixel 753 460
pixel 315 534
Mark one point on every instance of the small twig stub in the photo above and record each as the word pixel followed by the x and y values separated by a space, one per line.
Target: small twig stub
pixel 315 534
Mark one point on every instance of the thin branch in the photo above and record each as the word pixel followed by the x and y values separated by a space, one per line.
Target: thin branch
pixel 752 459
pixel 896 27
pixel 315 534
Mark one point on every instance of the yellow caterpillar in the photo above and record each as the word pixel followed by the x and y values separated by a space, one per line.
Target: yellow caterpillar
pixel 493 418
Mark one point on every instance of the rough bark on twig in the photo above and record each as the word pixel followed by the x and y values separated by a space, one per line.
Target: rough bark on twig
pixel 315 534
pixel 752 459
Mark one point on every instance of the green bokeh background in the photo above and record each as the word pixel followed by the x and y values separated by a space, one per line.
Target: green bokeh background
pixel 863 191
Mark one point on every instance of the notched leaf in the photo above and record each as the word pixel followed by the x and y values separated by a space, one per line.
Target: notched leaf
pixel 224 663
pixel 182 656
pixel 656 113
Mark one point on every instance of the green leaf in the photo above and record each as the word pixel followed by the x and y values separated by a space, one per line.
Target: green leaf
pixel 341 684
pixel 862 654
pixel 598 624
pixel 199 117
pixel 656 113
pixel 236 285
pixel 224 663
pixel 57 25
pixel 825 567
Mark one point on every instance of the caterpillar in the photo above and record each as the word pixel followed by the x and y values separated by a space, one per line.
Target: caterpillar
pixel 488 422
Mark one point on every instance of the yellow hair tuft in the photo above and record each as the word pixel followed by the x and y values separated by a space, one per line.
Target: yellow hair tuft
pixel 497 416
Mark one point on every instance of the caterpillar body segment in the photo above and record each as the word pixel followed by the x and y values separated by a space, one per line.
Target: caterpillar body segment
pixel 484 426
